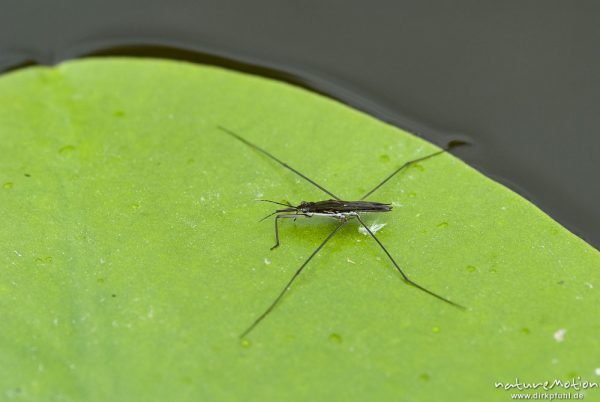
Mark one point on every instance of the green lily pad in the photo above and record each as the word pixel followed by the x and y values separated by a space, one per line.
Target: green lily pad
pixel 132 257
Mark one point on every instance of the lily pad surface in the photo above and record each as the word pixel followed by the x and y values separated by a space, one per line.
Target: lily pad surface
pixel 132 256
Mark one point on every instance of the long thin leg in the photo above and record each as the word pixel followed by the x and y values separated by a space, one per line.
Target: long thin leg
pixel 277 228
pixel 285 289
pixel 402 273
pixel 285 165
pixel 451 145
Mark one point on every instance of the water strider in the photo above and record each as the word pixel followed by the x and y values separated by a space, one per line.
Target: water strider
pixel 336 208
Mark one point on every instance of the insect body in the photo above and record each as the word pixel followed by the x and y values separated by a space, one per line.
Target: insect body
pixel 343 211
pixel 338 209
pixel 342 208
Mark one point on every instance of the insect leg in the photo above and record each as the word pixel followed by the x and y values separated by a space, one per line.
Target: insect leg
pixel 289 284
pixel 277 227
pixel 406 278
pixel 451 145
pixel 285 165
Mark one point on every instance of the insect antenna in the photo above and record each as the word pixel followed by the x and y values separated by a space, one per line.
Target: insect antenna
pixel 406 278
pixel 285 165
pixel 290 209
pixel 451 145
pixel 289 284
pixel 278 203
pixel 268 216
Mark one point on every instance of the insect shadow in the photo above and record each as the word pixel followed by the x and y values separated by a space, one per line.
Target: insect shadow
pixel 336 208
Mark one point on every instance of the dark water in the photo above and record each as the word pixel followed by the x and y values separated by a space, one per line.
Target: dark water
pixel 520 79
